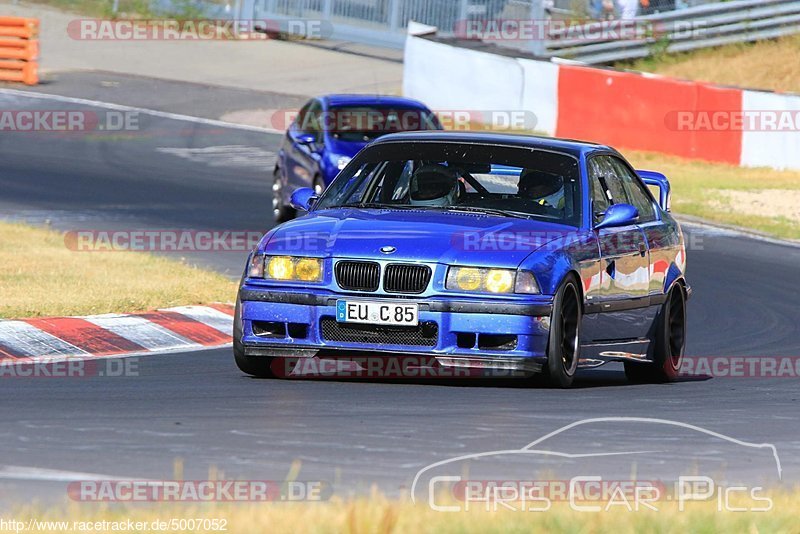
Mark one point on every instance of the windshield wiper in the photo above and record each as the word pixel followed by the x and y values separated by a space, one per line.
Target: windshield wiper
pixel 489 211
pixel 359 205
pixel 470 209
pixel 374 205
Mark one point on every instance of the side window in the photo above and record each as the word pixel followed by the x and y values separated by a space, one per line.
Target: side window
pixel 309 119
pixel 302 117
pixel 314 119
pixel 636 191
pixel 613 181
pixel 600 200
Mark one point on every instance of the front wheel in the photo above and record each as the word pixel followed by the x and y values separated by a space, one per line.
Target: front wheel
pixel 563 349
pixel 259 366
pixel 669 343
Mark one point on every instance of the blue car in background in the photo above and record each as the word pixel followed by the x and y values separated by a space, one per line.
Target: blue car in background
pixel 483 251
pixel 330 130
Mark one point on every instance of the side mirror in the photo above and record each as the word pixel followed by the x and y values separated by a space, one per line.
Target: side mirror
pixel 303 198
pixel 618 215
pixel 657 179
pixel 306 138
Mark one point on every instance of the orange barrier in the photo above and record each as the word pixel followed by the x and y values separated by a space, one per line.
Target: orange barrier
pixel 19 27
pixel 19 49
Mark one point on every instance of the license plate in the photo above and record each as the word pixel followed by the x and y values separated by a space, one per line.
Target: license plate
pixel 385 313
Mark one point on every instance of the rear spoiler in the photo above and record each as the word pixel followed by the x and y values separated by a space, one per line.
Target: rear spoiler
pixel 659 180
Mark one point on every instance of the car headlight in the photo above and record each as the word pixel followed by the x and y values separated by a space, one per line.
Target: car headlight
pixel 481 280
pixel 342 162
pixel 279 268
pixel 308 269
pixel 291 268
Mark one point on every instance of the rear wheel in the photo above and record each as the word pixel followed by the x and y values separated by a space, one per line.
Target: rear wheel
pixel 280 211
pixel 563 350
pixel 669 343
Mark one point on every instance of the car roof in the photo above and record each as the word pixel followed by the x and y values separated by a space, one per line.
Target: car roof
pixel 569 146
pixel 335 100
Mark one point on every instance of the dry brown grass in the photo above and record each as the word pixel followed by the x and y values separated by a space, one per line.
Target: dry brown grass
pixel 769 65
pixel 379 515
pixel 698 189
pixel 40 276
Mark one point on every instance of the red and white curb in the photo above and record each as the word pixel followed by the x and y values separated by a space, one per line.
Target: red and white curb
pixel 177 329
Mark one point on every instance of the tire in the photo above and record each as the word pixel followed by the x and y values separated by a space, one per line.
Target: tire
pixel 258 366
pixel 563 348
pixel 280 211
pixel 669 343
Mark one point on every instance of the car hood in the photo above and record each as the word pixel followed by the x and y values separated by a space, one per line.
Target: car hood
pixel 448 238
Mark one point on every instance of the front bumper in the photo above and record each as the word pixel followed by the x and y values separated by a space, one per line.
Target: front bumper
pixel 456 331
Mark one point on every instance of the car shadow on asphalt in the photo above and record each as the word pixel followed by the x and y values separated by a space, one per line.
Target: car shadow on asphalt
pixel 346 371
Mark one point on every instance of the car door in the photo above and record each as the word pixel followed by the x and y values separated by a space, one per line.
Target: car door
pixel 613 311
pixel 302 157
pixel 662 236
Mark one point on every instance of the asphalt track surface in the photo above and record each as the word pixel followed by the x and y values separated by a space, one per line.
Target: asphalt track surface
pixel 198 407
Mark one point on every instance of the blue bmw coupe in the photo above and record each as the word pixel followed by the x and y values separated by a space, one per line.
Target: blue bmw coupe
pixel 328 131
pixel 483 251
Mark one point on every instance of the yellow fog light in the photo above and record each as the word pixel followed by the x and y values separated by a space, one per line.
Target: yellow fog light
pixel 468 279
pixel 481 280
pixel 308 269
pixel 499 281
pixel 280 268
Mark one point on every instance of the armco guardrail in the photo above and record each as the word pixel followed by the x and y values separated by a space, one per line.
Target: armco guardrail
pixel 19 50
pixel 704 23
pixel 686 29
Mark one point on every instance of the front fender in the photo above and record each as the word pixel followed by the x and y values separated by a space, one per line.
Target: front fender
pixel 552 262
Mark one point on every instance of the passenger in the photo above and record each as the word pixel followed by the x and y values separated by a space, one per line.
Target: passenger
pixel 544 188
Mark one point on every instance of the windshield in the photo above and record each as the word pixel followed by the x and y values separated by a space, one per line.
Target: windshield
pixel 505 181
pixel 366 123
